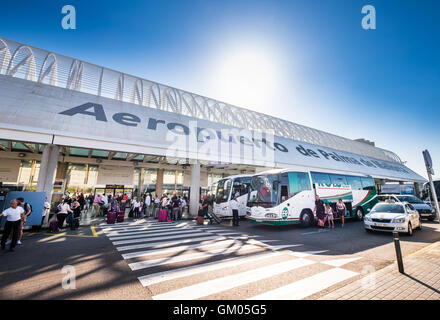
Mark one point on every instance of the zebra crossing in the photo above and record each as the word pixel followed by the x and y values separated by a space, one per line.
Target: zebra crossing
pixel 184 261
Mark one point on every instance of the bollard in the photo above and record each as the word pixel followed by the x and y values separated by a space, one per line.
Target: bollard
pixel 398 251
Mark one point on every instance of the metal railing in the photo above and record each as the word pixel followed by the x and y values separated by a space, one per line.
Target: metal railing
pixel 34 64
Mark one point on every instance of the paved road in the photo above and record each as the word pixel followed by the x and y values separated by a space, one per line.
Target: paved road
pixel 150 260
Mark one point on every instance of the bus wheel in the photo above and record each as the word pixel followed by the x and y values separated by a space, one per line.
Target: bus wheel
pixel 359 214
pixel 307 219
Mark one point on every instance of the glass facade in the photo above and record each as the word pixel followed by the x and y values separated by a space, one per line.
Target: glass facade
pixel 28 174
pixel 81 178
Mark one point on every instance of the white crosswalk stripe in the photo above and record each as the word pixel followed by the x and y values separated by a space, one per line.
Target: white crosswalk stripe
pixel 308 286
pixel 139 234
pixel 185 249
pixel 167 243
pixel 199 236
pixel 222 284
pixel 205 267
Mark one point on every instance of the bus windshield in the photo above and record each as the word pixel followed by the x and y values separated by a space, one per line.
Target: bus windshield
pixel 223 190
pixel 263 192
pixel 437 188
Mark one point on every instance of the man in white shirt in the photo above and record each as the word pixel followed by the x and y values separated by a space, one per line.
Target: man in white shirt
pixel 46 210
pixel 234 207
pixel 182 205
pixel 147 204
pixel 14 216
pixel 104 204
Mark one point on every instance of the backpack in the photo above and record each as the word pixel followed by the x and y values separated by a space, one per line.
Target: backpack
pixel 58 208
pixel 28 205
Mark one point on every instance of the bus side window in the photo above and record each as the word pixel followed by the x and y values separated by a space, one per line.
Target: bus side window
pixel 368 183
pixel 354 182
pixel 298 181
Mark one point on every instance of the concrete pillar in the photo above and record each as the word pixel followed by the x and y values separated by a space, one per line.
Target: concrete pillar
pixel 194 190
pixel 141 182
pixel 48 168
pixel 159 182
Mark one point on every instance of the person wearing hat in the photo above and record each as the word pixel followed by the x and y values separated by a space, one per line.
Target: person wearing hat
pixel 234 207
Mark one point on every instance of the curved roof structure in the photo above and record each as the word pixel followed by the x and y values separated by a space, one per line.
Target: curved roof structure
pixel 34 64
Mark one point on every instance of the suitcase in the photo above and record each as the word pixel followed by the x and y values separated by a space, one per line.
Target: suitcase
pixel 121 216
pixel 111 217
pixel 215 217
pixel 200 220
pixel 74 224
pixel 163 215
pixel 53 226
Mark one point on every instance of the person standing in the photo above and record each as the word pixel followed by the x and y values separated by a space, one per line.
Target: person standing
pixel 147 204
pixel 46 210
pixel 234 207
pixel 156 206
pixel 329 212
pixel 61 216
pixel 341 209
pixel 27 211
pixel 82 201
pixel 182 206
pixel 74 223
pixel 175 203
pixel 14 217
pixel 96 206
pixel 205 205
pixel 135 205
pixel 319 210
pixel 105 205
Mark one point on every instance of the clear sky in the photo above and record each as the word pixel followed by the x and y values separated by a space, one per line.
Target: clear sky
pixel 306 61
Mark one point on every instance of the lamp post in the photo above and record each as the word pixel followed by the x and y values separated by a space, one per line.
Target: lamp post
pixel 430 170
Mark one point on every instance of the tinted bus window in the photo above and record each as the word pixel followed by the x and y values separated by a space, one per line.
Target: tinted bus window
pixel 241 186
pixel 354 182
pixel 223 189
pixel 318 177
pixel 337 179
pixel 298 181
pixel 368 184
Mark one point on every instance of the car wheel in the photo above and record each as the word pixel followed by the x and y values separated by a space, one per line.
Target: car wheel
pixel 420 224
pixel 307 219
pixel 410 229
pixel 359 214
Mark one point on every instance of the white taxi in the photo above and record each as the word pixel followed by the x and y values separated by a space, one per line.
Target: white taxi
pixel 400 217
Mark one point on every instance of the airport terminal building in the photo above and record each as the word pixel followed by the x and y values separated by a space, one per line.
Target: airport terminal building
pixel 69 125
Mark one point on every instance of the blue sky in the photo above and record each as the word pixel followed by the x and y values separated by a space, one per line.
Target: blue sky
pixel 315 63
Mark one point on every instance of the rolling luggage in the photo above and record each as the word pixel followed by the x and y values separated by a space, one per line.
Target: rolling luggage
pixel 163 215
pixel 121 216
pixel 200 220
pixel 74 224
pixel 215 217
pixel 111 217
pixel 53 226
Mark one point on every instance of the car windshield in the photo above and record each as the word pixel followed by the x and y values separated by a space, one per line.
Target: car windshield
pixel 410 199
pixel 223 190
pixel 388 207
pixel 262 191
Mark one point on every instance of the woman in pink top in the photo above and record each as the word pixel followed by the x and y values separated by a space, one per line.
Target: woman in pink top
pixel 342 209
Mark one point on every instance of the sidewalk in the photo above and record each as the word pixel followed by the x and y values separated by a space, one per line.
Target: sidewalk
pixel 421 280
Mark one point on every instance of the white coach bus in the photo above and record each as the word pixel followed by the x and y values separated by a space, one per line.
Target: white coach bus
pixel 226 188
pixel 287 196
